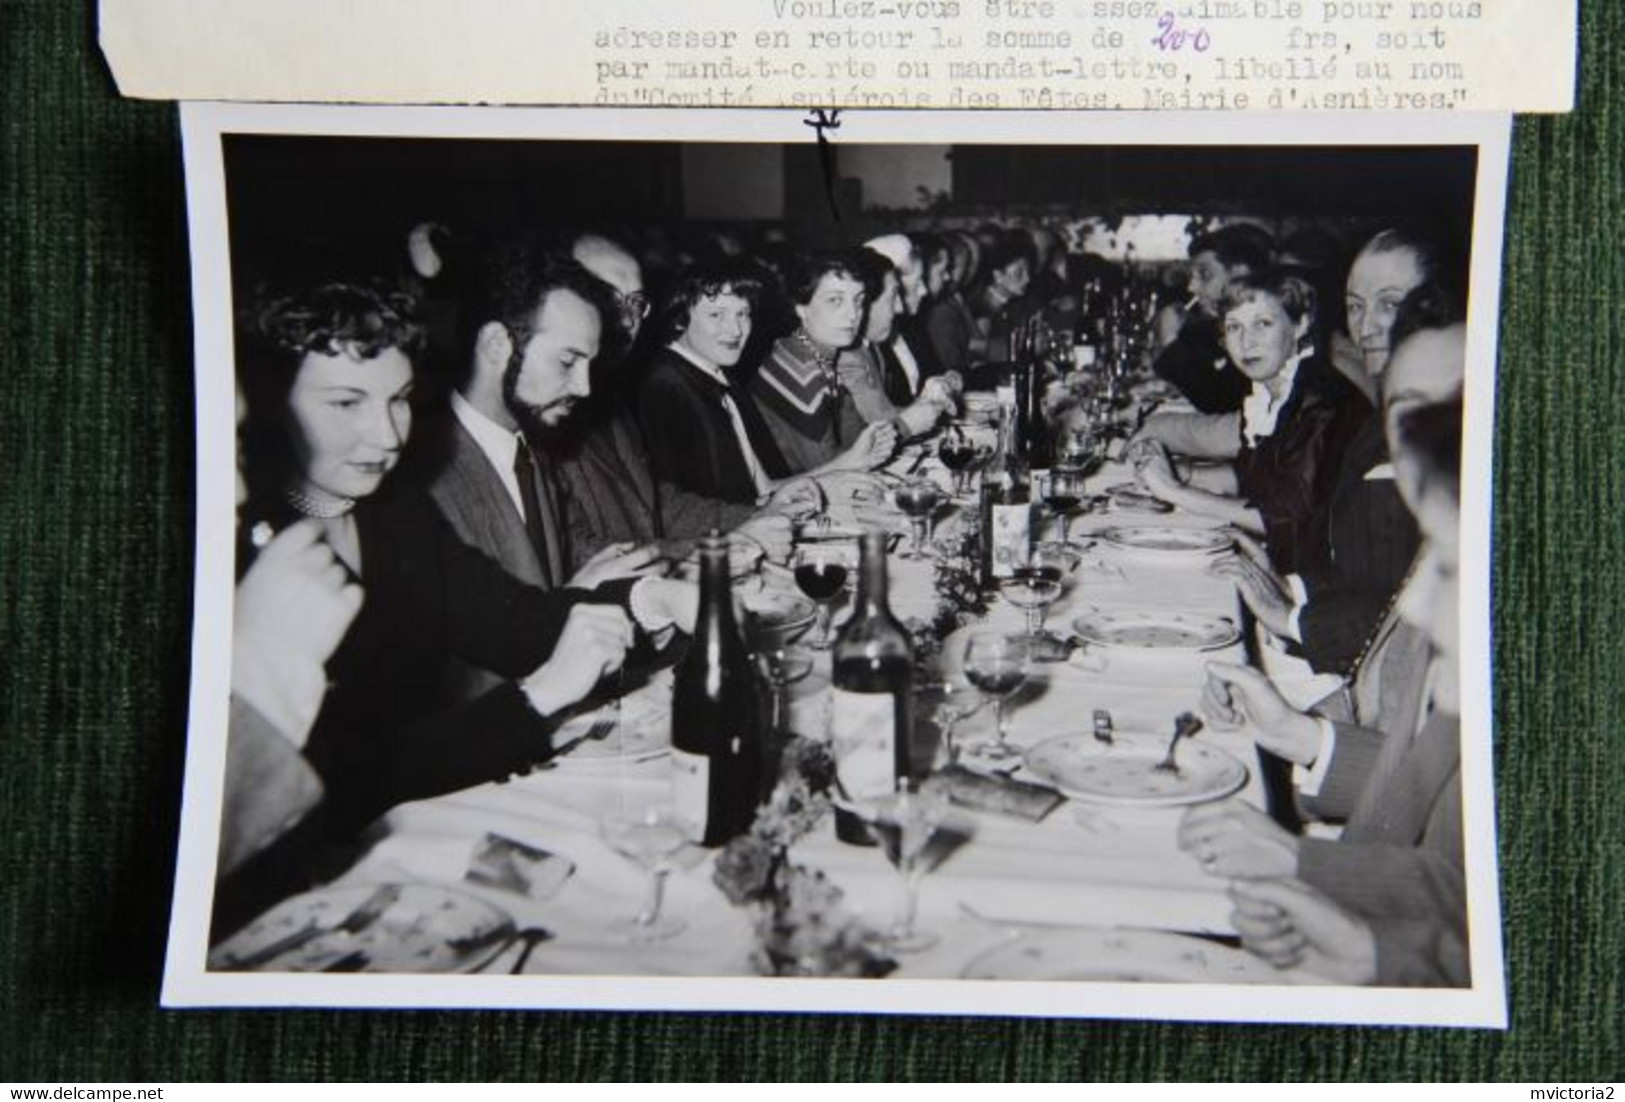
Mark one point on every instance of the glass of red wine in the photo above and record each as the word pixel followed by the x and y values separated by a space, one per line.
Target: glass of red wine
pixel 1062 490
pixel 959 455
pixel 821 571
pixel 918 498
pixel 997 664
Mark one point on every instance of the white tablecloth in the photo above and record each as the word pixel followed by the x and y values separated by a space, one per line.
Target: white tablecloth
pixel 1084 864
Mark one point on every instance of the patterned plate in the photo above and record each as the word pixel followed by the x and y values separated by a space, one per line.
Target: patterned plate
pixel 1156 630
pixel 1166 541
pixel 1122 956
pixel 426 929
pixel 1122 772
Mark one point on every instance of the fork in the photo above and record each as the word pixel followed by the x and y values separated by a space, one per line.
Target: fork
pixel 1185 725
pixel 370 911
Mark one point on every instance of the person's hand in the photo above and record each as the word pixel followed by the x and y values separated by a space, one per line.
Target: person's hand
pixel 1231 839
pixel 772 532
pixel 1291 925
pixel 874 446
pixel 292 609
pixel 592 645
pixel 1155 471
pixel 796 498
pixel 1237 694
pixel 297 597
pixel 618 560
pixel 921 416
pixel 1247 545
pixel 841 488
pixel 1263 591
pixel 670 600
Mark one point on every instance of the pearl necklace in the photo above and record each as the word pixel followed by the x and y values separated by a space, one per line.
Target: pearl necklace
pixel 321 506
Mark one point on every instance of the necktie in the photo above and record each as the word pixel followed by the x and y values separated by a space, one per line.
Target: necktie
pixel 524 471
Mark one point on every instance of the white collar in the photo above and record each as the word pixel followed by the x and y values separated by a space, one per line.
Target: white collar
pixel 1261 409
pixel 499 444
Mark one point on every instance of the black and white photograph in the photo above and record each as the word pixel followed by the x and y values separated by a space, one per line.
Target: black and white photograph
pixel 856 561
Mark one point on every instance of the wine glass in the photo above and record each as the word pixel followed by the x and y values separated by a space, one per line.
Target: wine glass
pixel 649 837
pixel 957 453
pixel 782 666
pixel 947 702
pixel 904 824
pixel 997 664
pixel 919 498
pixel 1062 490
pixel 821 575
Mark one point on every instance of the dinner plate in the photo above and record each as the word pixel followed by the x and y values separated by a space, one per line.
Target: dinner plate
pixel 1122 772
pixel 1166 540
pixel 1121 956
pixel 1156 630
pixel 426 929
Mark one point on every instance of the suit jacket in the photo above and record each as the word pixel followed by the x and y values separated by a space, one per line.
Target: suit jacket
pixel 269 786
pixel 1372 539
pixel 1288 475
pixel 1196 363
pixel 951 327
pixel 1401 856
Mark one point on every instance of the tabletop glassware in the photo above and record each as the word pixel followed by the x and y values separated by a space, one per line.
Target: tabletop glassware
pixel 649 837
pixel 918 498
pixel 904 823
pixel 958 453
pixel 997 664
pixel 782 667
pixel 1062 491
pixel 947 702
pixel 821 571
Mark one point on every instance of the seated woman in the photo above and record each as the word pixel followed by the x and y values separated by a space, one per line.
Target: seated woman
pixel 865 369
pixel 1400 853
pixel 328 375
pixel 1001 304
pixel 1328 614
pixel 703 431
pixel 1286 440
pixel 948 319
pixel 798 390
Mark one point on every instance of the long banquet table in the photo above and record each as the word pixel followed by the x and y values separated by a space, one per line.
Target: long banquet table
pixel 1083 865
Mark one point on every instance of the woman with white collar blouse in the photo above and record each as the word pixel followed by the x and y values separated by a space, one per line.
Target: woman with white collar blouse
pixel 1286 440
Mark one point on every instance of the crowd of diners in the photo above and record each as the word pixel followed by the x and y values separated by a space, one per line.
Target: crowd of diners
pixel 461 485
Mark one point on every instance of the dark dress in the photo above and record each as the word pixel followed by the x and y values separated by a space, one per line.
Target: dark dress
pixel 691 438
pixel 384 735
pixel 1289 475
pixel 1196 363
pixel 1373 539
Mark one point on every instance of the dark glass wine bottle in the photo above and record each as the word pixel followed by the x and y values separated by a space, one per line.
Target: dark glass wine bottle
pixel 716 729
pixel 871 713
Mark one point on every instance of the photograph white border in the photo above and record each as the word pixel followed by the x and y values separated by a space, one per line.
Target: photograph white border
pixel 187 982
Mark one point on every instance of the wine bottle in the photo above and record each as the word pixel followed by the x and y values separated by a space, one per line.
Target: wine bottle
pixel 871 713
pixel 716 729
pixel 1006 535
pixel 1039 449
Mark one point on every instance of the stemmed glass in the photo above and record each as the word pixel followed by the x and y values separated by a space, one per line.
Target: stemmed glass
pixel 782 666
pixel 1062 490
pixel 650 837
pixel 997 664
pixel 904 823
pixel 958 454
pixel 821 575
pixel 919 498
pixel 948 701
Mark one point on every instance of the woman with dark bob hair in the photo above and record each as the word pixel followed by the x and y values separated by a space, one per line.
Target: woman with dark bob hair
pixel 798 389
pixel 328 376
pixel 1285 441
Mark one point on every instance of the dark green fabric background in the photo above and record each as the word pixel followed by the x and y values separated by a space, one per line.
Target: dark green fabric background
pixel 95 551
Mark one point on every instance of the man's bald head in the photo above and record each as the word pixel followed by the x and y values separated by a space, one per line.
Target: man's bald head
pixel 612 263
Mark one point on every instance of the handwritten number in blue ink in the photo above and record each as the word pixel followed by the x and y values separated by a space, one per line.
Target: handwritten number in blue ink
pixel 1171 38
